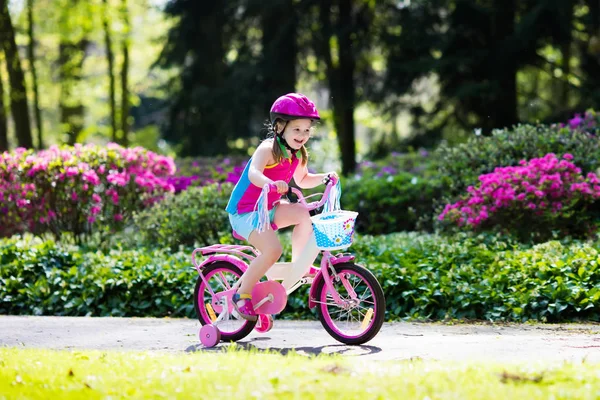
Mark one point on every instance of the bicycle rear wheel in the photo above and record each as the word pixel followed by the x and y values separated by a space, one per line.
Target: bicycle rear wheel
pixel 220 276
pixel 362 312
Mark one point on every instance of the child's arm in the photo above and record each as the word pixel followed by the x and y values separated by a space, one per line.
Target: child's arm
pixel 260 159
pixel 306 180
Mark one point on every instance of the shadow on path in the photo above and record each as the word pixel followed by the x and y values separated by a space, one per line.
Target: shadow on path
pixel 248 345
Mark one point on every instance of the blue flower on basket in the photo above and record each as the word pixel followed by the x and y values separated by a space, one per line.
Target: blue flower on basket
pixel 348 225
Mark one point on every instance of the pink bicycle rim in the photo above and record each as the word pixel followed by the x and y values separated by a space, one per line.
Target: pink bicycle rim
pixel 327 317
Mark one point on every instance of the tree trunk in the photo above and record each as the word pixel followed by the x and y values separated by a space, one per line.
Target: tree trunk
pixel 34 79
pixel 280 50
pixel 505 106
pixel 590 58
pixel 347 92
pixel 340 77
pixel 72 53
pixel 3 123
pixel 18 93
pixel 125 105
pixel 110 58
pixel 71 57
pixel 213 133
pixel 566 39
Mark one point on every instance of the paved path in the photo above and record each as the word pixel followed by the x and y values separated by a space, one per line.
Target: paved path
pixel 396 341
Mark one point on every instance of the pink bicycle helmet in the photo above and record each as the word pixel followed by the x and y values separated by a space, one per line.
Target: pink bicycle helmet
pixel 293 106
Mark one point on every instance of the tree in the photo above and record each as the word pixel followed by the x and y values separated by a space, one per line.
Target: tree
pixel 214 44
pixel 110 59
pixel 18 94
pixel 34 78
pixel 341 41
pixel 125 101
pixel 3 123
pixel 475 50
pixel 72 54
pixel 589 49
pixel 279 50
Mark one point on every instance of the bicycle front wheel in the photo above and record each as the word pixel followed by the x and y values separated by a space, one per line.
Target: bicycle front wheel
pixel 361 313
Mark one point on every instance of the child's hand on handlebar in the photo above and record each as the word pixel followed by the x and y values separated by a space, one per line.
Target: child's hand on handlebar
pixel 281 186
pixel 331 176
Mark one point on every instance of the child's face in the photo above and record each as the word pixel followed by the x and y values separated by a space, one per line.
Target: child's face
pixel 297 132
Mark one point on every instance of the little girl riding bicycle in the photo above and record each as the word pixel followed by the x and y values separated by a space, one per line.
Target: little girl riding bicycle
pixel 275 162
pixel 229 299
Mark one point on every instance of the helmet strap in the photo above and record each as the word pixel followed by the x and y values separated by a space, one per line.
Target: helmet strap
pixel 284 146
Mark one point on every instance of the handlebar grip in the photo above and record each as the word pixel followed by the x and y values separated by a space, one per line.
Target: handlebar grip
pixel 330 178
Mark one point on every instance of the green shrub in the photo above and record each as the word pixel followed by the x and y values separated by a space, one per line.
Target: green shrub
pixel 45 278
pixel 423 277
pixel 540 198
pixel 196 216
pixel 79 190
pixel 400 202
pixel 464 163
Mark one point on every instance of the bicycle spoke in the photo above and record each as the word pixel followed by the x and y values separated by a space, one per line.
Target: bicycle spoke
pixel 352 290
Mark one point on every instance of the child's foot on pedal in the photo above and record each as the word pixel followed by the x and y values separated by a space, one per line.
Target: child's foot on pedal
pixel 243 305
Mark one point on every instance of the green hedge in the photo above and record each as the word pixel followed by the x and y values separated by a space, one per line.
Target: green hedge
pixel 195 216
pixel 423 276
pixel 463 164
pixel 396 203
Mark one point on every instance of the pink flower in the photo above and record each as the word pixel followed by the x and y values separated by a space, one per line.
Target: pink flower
pixel 118 217
pixel 72 171
pixel 568 156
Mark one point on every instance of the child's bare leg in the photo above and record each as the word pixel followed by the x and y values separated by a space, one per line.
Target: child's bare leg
pixel 270 250
pixel 295 214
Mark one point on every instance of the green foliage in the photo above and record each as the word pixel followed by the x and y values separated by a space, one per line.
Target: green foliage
pixel 195 216
pixel 43 278
pixel 78 189
pixel 464 163
pixel 395 203
pixel 484 277
pixel 423 276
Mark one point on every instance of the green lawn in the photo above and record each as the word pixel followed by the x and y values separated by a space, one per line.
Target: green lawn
pixel 239 374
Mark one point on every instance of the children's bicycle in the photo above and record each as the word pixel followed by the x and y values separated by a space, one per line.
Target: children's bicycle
pixel 348 298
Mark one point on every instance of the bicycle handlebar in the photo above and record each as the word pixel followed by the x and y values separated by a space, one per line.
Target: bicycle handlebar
pixel 329 182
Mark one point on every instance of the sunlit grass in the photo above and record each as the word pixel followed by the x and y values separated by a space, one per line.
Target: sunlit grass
pixel 241 374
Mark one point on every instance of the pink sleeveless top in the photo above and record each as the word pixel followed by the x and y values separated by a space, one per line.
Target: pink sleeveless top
pixel 245 194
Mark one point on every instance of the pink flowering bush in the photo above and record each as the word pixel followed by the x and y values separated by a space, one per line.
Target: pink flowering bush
pixel 588 122
pixel 78 189
pixel 205 171
pixel 530 200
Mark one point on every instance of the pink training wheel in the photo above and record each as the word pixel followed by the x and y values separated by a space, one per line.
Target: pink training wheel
pixel 210 335
pixel 278 297
pixel 265 323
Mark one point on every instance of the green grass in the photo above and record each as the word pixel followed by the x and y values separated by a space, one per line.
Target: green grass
pixel 240 374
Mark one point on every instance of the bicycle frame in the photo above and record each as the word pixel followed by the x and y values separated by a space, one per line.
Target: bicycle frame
pixel 292 274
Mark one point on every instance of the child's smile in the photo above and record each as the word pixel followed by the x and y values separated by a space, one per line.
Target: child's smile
pixel 298 132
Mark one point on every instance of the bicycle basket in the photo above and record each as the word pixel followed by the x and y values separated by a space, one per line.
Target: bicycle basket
pixel 334 230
